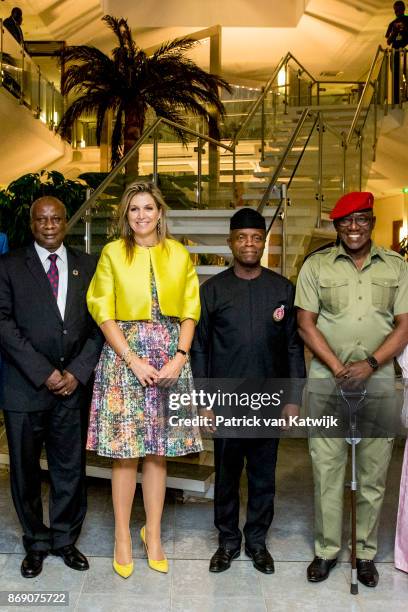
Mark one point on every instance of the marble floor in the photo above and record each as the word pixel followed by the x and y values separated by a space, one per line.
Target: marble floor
pixel 190 539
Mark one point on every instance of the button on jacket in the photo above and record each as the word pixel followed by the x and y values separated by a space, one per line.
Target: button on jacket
pixel 120 290
pixel 32 338
pixel 356 308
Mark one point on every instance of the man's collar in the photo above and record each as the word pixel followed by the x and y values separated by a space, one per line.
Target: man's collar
pixel 340 251
pixel 43 254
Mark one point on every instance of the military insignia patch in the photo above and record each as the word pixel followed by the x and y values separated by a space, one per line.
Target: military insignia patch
pixel 279 313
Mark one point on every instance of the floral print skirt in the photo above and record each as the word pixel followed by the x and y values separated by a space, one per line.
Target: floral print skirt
pixel 128 420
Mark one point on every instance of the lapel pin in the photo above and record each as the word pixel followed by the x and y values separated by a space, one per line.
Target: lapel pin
pixel 279 313
pixel 75 272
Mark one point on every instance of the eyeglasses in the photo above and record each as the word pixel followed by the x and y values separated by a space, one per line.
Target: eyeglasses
pixel 360 220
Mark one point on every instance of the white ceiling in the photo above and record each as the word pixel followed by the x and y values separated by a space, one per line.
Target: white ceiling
pixel 330 34
pixel 199 14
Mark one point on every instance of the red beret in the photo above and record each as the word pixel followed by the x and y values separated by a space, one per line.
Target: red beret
pixel 352 202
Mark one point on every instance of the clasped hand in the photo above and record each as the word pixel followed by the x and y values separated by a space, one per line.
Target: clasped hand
pixel 289 411
pixel 61 384
pixel 353 374
pixel 148 375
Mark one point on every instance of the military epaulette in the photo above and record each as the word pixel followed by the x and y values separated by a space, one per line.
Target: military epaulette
pixel 390 252
pixel 325 248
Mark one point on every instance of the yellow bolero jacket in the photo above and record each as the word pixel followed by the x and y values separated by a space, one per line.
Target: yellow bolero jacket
pixel 120 290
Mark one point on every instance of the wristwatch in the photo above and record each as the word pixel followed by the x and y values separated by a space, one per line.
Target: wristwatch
pixel 372 362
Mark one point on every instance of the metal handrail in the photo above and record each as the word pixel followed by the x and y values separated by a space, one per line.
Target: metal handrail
pixel 288 184
pixel 108 179
pixel 197 134
pixel 305 113
pixel 122 163
pixel 267 88
pixel 260 98
pixel 339 82
pixel 311 77
pixel 368 83
pixel 333 130
pixel 292 175
pixel 281 208
pixel 269 85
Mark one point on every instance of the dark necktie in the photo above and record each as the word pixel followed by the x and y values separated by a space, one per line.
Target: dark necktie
pixel 53 275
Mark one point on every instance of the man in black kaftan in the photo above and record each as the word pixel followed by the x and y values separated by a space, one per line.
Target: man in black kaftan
pixel 247 331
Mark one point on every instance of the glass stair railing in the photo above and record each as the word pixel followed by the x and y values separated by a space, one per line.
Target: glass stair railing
pixel 22 78
pixel 307 139
pixel 336 158
pixel 180 170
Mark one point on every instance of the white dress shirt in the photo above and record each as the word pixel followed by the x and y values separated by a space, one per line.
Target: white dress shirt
pixel 62 265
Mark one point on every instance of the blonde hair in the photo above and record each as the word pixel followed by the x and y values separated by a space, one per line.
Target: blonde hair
pixel 125 231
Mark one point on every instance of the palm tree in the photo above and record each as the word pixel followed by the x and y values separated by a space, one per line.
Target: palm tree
pixel 130 82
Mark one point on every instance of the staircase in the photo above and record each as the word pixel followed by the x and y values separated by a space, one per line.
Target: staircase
pixel 316 153
pixel 315 138
pixel 209 230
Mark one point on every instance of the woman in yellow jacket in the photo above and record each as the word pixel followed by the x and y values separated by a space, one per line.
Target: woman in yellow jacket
pixel 145 297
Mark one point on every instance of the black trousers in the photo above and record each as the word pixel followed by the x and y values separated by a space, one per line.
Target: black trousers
pixel 62 430
pixel 229 457
pixel 396 77
pixel 396 74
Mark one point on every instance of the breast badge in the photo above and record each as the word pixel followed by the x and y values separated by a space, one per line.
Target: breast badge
pixel 279 313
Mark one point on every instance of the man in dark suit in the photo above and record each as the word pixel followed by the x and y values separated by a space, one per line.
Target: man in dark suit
pixel 50 347
pixel 13 24
pixel 247 330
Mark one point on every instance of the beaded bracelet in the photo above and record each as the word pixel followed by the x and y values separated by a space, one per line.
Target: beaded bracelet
pixel 127 355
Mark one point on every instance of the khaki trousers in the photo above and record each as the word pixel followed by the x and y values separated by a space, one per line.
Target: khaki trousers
pixel 329 460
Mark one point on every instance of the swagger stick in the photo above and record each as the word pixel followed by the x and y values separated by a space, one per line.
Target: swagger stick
pixel 353 401
pixel 353 492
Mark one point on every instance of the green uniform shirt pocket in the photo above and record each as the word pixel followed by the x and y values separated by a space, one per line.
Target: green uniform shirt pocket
pixel 383 293
pixel 334 294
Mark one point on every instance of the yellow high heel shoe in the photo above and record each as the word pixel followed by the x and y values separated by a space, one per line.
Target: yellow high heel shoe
pixel 160 566
pixel 124 570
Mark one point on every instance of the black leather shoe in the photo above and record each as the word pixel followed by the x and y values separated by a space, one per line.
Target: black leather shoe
pixel 72 557
pixel 221 559
pixel 367 572
pixel 33 563
pixel 261 560
pixel 319 569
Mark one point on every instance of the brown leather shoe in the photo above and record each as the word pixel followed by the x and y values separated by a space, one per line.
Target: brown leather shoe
pixel 367 572
pixel 319 569
pixel 33 563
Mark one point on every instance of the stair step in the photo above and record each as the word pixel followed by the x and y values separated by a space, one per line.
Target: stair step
pixel 180 475
pixel 328 108
pixel 211 270
pixel 296 182
pixel 224 250
pixel 310 158
pixel 214 213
